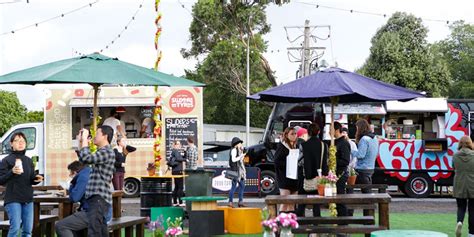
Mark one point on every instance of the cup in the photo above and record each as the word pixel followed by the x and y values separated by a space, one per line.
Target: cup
pixel 19 164
pixel 320 172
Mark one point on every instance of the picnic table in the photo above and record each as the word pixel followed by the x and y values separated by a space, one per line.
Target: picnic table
pixel 311 224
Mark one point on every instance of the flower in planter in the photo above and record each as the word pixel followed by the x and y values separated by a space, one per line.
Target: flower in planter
pixel 352 172
pixel 150 166
pixel 287 220
pixel 174 227
pixel 156 227
pixel 331 177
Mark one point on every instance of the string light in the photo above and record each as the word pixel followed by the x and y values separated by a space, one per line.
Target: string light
pixel 365 12
pixel 49 19
pixel 107 46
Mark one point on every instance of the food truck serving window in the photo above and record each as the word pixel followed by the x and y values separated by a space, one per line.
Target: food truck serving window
pixel 112 102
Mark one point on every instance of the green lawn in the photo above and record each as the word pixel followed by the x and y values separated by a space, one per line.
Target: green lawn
pixel 444 223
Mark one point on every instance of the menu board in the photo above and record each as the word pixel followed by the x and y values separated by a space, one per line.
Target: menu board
pixel 178 129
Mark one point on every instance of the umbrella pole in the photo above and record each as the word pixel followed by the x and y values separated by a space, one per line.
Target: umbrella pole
pixel 331 130
pixel 95 110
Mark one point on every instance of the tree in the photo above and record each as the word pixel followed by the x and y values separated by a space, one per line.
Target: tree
pixel 458 51
pixel 219 35
pixel 401 55
pixel 12 112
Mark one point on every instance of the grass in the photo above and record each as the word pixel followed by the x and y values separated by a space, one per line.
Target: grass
pixel 439 222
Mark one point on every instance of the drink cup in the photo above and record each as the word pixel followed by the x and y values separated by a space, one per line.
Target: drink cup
pixel 320 172
pixel 19 164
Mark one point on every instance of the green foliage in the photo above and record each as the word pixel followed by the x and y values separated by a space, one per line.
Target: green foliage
pixel 401 55
pixel 219 34
pixel 12 112
pixel 458 51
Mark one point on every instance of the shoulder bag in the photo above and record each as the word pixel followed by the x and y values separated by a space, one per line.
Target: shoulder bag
pixel 310 185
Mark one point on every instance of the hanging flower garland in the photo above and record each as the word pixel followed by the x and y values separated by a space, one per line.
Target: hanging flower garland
pixel 158 100
pixel 93 130
pixel 332 153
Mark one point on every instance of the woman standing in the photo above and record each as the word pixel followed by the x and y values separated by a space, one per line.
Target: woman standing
pixel 287 186
pixel 177 169
pixel 121 152
pixel 17 174
pixel 236 163
pixel 463 189
pixel 367 149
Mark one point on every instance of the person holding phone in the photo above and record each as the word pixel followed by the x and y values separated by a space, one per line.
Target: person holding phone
pixel 17 174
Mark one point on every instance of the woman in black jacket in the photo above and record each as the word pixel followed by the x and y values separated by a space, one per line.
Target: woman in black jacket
pixel 177 169
pixel 121 152
pixel 17 174
pixel 287 186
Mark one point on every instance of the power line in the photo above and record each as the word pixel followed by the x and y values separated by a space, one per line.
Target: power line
pixel 49 19
pixel 366 12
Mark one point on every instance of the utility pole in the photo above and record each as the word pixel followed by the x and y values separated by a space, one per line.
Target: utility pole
pixel 247 102
pixel 307 52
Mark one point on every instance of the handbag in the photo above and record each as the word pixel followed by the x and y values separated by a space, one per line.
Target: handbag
pixel 231 174
pixel 310 185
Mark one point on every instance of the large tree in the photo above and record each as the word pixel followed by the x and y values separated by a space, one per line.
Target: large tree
pixel 12 112
pixel 220 31
pixel 458 50
pixel 401 55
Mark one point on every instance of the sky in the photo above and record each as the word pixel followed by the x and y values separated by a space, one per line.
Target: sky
pixel 92 28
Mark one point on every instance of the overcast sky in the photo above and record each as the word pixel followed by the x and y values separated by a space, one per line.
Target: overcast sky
pixel 92 28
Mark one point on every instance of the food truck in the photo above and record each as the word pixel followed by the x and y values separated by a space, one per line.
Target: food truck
pixel 417 139
pixel 52 143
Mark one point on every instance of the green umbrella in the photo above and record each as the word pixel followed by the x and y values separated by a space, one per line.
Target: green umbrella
pixel 94 69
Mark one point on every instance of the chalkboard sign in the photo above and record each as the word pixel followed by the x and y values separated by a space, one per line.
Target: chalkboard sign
pixel 178 129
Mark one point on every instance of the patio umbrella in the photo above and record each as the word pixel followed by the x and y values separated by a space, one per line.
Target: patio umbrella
pixel 335 85
pixel 94 69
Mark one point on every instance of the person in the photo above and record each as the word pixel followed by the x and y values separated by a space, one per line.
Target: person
pixel 343 158
pixel 312 163
pixel 345 133
pixel 236 163
pixel 17 174
pixel 302 135
pixel 114 122
pixel 77 189
pixel 177 169
pixel 121 153
pixel 367 149
pixel 191 154
pixel 98 193
pixel 287 185
pixel 463 187
pixel 147 128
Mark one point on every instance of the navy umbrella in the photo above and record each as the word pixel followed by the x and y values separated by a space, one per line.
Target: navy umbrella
pixel 349 87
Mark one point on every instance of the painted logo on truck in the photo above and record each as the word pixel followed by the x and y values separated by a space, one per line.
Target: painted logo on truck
pixel 182 102
pixel 410 154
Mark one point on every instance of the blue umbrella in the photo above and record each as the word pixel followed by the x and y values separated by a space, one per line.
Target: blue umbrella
pixel 347 86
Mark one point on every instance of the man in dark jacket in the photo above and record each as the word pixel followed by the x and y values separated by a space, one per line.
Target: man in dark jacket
pixel 343 158
pixel 313 161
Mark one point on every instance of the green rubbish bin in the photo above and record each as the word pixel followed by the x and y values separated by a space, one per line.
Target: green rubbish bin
pixel 166 212
pixel 198 182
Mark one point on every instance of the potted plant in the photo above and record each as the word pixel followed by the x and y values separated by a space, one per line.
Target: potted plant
pixel 323 180
pixel 174 227
pixel 352 176
pixel 156 227
pixel 151 168
pixel 270 226
pixel 287 221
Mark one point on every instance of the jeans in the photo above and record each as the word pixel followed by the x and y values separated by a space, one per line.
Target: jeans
pixel 117 180
pixel 364 177
pixel 96 214
pixel 462 204
pixel 178 192
pixel 68 226
pixel 241 190
pixel 20 214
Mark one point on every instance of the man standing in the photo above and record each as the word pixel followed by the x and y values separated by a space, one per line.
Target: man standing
pixel 343 157
pixel 191 154
pixel 98 193
pixel 114 122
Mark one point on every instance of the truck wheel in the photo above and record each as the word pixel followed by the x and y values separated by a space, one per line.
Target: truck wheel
pixel 419 186
pixel 131 187
pixel 268 183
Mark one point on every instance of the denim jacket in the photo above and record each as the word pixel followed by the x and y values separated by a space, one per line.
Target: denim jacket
pixel 366 153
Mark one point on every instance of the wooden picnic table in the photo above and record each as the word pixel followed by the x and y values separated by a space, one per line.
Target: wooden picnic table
pixel 65 209
pixel 382 199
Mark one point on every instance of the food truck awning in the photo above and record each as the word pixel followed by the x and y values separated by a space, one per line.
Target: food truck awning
pixel 419 105
pixel 355 109
pixel 113 102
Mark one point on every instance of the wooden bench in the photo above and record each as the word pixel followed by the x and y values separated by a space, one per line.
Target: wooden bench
pixel 46 224
pixel 342 224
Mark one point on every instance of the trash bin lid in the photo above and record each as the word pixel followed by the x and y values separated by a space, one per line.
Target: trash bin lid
pixel 410 233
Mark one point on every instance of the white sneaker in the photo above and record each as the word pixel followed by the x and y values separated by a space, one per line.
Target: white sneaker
pixel 459 229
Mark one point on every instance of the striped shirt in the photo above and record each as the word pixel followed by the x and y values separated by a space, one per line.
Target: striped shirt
pixel 191 157
pixel 102 170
